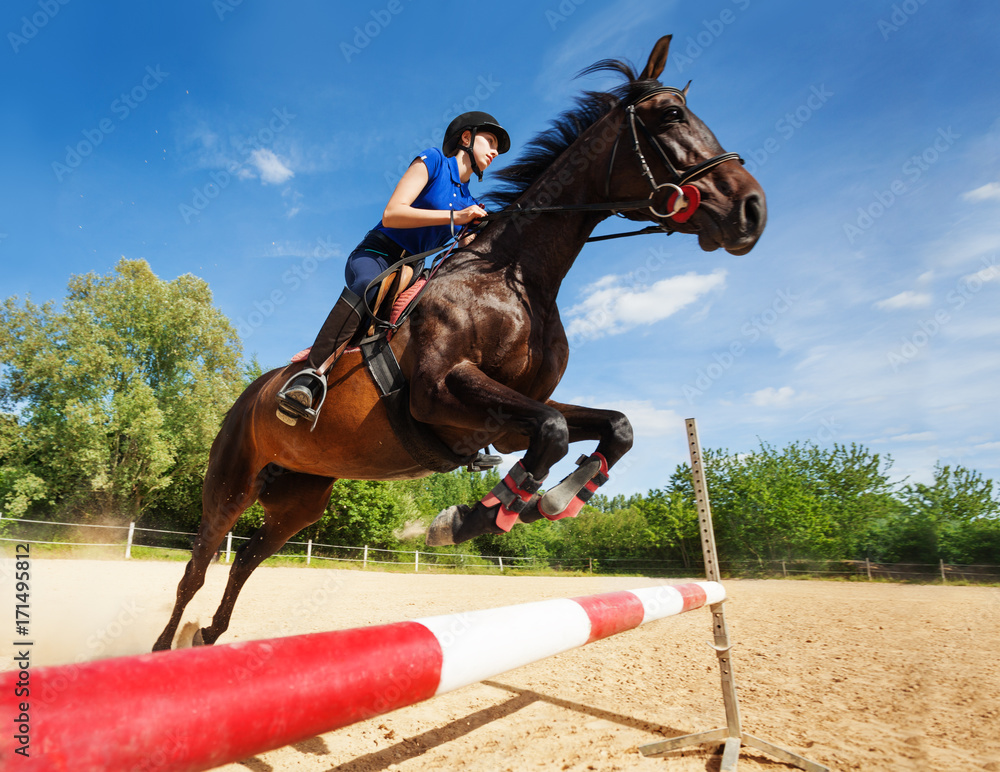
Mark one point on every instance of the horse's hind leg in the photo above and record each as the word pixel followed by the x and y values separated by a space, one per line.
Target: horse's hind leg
pixel 222 506
pixel 291 502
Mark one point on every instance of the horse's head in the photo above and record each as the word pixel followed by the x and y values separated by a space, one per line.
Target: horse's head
pixel 661 146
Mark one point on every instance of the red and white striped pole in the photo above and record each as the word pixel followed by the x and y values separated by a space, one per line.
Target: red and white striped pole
pixel 199 708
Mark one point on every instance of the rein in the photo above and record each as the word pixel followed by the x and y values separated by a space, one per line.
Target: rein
pixel 684 197
pixel 682 202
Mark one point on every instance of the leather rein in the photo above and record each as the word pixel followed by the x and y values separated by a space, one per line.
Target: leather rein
pixel 683 200
pixel 683 197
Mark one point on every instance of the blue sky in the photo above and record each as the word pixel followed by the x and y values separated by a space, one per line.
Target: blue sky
pixel 253 144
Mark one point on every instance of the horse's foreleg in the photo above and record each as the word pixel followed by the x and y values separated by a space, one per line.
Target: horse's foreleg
pixel 614 434
pixel 291 502
pixel 466 398
pixel 610 428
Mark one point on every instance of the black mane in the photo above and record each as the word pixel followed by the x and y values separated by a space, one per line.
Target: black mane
pixel 540 152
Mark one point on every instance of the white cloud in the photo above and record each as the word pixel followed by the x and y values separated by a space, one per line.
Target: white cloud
pixel 772 397
pixel 908 299
pixel 915 437
pixel 990 272
pixel 989 191
pixel 611 307
pixel 319 250
pixel 272 169
pixel 647 420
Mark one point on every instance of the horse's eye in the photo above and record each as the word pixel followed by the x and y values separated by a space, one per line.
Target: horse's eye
pixel 672 115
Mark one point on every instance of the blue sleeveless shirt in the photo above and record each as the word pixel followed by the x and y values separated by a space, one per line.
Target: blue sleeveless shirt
pixel 444 190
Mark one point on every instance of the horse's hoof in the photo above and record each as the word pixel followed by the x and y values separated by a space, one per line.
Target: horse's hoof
pixel 445 526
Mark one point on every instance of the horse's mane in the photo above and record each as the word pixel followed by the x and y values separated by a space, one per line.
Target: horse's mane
pixel 541 151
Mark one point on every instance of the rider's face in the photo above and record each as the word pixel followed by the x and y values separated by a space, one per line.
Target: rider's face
pixel 484 148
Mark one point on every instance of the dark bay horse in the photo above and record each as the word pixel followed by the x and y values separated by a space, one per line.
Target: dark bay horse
pixel 484 349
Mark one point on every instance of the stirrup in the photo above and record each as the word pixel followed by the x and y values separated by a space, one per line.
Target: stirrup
pixel 289 411
pixel 484 461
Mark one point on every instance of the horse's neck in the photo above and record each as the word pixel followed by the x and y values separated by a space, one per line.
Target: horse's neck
pixel 546 245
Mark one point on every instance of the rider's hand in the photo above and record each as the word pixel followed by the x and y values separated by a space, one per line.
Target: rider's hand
pixel 469 214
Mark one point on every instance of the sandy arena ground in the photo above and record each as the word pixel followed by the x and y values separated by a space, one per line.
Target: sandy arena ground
pixel 855 676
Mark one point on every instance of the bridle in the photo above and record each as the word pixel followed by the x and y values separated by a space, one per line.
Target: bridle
pixel 684 197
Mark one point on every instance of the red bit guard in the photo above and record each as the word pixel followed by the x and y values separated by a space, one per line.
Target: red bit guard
pixel 693 200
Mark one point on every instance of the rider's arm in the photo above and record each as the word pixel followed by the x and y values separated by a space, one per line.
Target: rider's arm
pixel 400 212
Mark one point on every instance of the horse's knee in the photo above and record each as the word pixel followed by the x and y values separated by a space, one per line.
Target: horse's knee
pixel 549 443
pixel 621 436
pixel 553 431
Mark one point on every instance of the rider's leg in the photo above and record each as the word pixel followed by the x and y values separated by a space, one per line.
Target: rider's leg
pixel 338 329
pixel 372 256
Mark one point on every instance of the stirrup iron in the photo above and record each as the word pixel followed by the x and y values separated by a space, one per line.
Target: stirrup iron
pixel 289 411
pixel 483 462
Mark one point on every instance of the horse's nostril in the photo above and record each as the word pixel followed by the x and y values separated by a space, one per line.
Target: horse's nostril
pixel 754 213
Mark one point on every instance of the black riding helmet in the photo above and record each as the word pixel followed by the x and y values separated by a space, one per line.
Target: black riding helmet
pixel 474 121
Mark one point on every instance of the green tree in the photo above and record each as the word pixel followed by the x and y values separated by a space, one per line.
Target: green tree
pixel 360 512
pixel 956 519
pixel 671 524
pixel 801 501
pixel 115 396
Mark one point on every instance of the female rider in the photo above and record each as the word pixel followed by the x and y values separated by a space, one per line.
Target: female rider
pixel 430 199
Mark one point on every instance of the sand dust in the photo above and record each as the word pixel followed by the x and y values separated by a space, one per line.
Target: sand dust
pixel 856 676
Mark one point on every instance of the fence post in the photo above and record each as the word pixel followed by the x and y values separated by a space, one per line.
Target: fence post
pixel 941 565
pixel 229 545
pixel 416 560
pixel 128 545
pixel 309 551
pixel 784 573
pixel 500 560
pixel 590 561
pixel 868 568
pixel 364 563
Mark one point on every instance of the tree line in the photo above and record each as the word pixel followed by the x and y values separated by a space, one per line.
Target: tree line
pixel 109 404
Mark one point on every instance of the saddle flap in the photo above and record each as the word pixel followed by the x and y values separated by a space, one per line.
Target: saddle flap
pixel 389 290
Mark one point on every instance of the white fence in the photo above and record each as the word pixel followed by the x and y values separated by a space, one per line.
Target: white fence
pixel 847 569
pixel 364 555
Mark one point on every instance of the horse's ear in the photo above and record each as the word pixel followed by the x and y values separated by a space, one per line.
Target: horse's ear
pixel 657 59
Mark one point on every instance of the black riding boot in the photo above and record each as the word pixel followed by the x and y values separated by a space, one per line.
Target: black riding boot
pixel 297 397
